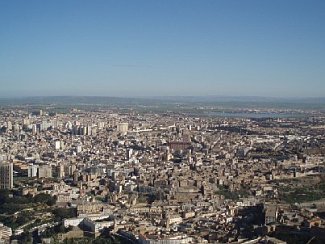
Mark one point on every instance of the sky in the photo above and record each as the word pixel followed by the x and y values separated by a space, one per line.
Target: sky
pixel 162 48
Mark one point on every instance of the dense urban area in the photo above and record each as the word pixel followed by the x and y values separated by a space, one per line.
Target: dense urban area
pixel 134 174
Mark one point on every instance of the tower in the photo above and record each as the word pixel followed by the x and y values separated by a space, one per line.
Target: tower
pixel 6 176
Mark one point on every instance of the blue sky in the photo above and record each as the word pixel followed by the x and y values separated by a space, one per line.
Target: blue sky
pixel 162 47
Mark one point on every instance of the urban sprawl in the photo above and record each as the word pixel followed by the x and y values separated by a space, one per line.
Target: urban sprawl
pixel 126 176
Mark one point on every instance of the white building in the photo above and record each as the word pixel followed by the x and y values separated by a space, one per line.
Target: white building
pixel 5 233
pixel 123 127
pixel 32 170
pixel 57 145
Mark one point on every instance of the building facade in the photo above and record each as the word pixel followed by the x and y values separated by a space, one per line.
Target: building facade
pixel 6 176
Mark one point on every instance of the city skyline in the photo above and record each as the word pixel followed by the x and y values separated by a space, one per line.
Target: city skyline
pixel 162 48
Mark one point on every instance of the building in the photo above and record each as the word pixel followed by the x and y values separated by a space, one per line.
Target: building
pixel 44 171
pixel 122 127
pixel 32 170
pixel 5 233
pixel 155 239
pixel 61 170
pixel 57 145
pixel 96 227
pixel 271 214
pixel 6 176
pixel 179 145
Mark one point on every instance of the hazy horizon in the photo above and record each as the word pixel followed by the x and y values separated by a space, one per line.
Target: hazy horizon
pixel 193 98
pixel 164 96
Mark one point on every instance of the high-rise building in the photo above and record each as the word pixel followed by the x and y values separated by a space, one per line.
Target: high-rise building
pixel 100 125
pixel 6 176
pixel 57 145
pixel 122 127
pixel 26 121
pixel 129 152
pixel 79 149
pixel 32 170
pixel 44 171
pixel 34 129
pixel 61 170
pixel 89 130
pixel 9 125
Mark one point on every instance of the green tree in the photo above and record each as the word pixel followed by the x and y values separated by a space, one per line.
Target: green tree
pixel 45 198
pixel 25 237
pixel 4 196
pixel 62 213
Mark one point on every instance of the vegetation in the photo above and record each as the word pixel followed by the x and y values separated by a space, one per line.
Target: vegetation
pixel 63 213
pixel 299 238
pixel 10 203
pixel 99 240
pixel 16 210
pixel 50 232
pixel 44 198
pixel 25 237
pixel 300 193
pixel 232 195
pixel 14 222
pixel 90 240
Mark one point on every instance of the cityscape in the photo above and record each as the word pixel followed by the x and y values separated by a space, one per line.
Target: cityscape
pixel 162 122
pixel 132 174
